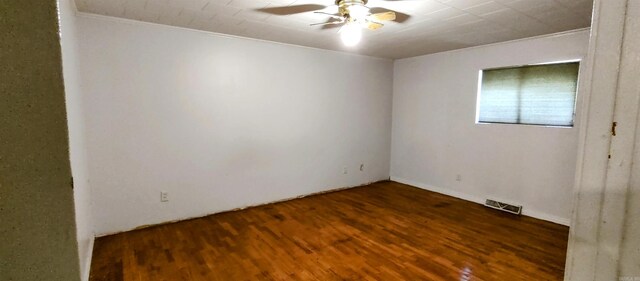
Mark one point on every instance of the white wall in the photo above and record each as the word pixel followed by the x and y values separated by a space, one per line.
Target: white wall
pixel 76 124
pixel 221 122
pixel 435 137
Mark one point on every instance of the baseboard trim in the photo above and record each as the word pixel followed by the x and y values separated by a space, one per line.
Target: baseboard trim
pixel 546 217
pixel 472 198
pixel 241 208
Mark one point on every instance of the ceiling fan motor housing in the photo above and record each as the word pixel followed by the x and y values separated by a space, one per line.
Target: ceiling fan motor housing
pixel 347 2
pixel 353 10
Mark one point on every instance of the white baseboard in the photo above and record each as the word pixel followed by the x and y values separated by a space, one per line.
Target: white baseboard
pixel 546 217
pixel 472 198
pixel 329 190
pixel 87 265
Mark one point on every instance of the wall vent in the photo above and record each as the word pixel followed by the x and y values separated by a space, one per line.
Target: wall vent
pixel 503 206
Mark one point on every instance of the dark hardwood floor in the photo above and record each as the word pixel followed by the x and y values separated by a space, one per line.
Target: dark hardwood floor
pixel 383 231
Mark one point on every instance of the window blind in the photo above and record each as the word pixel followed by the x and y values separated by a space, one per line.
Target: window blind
pixel 534 95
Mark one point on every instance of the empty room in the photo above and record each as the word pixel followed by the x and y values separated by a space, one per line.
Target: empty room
pixel 320 140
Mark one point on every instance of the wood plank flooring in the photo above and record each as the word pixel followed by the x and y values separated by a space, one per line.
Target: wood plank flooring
pixel 383 231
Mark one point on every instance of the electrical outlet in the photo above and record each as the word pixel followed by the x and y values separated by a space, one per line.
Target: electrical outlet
pixel 361 167
pixel 345 171
pixel 164 196
pixel 458 178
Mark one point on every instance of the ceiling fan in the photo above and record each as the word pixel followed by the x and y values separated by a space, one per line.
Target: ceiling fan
pixel 352 15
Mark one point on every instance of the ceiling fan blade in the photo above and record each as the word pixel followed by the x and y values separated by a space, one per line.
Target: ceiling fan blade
pixel 333 24
pixel 330 23
pixel 400 17
pixel 290 10
pixel 372 25
pixel 327 23
pixel 335 16
pixel 386 16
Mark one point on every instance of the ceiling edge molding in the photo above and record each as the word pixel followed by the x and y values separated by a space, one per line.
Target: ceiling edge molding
pixel 131 21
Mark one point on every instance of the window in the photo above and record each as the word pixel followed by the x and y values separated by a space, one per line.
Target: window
pixel 533 95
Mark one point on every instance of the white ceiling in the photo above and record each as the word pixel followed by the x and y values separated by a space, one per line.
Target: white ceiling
pixel 434 26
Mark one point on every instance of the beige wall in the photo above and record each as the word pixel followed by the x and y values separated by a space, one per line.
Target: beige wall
pixel 37 229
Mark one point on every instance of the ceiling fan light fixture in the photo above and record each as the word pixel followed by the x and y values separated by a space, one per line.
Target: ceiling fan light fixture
pixel 351 34
pixel 358 12
pixel 352 15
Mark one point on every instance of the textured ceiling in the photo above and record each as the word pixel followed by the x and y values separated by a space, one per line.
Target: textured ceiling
pixel 434 26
